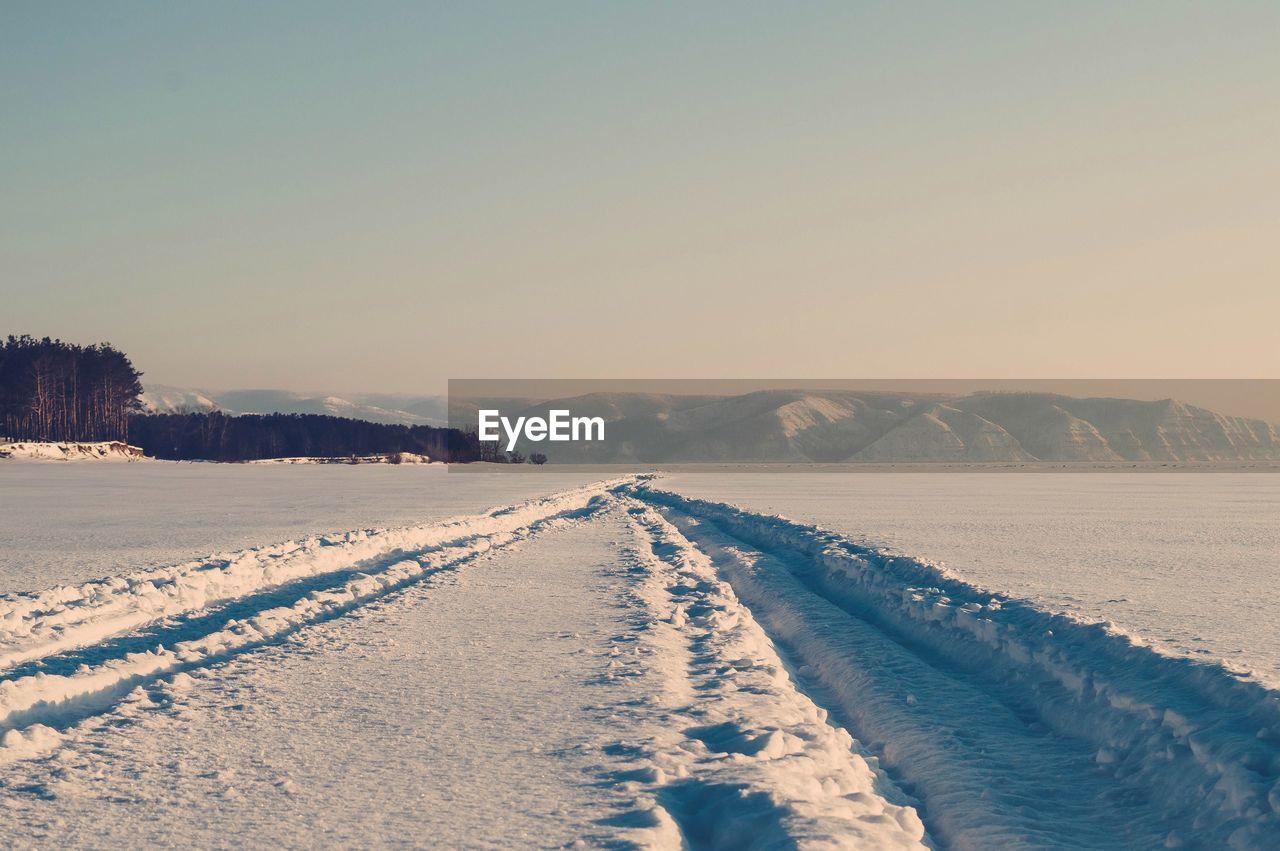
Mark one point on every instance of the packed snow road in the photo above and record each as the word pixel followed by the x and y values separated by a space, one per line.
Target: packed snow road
pixel 614 665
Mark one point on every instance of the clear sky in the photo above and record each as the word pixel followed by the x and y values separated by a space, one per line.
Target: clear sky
pixel 379 196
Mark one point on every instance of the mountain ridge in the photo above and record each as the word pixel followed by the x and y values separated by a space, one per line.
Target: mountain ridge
pixel 393 409
pixel 806 426
pixel 814 426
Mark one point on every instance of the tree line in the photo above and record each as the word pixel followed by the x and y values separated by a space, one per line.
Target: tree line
pixel 250 437
pixel 492 451
pixel 56 391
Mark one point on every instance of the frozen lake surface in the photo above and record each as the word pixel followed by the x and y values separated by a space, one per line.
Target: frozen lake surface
pixel 530 675
pixel 327 656
pixel 71 522
pixel 1188 561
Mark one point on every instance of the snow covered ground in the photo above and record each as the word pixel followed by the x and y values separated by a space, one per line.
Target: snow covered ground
pixel 112 450
pixel 1013 726
pixel 71 523
pixel 539 660
pixel 1187 561
pixel 449 714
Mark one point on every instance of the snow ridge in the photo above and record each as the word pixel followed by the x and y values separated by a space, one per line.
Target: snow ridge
pixel 744 759
pixel 109 450
pixel 36 625
pixel 380 562
pixel 1159 748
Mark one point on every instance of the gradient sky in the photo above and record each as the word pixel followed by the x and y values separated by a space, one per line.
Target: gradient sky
pixel 379 196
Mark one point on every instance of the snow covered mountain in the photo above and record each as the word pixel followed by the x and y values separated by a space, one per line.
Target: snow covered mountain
pixel 384 408
pixel 814 425
pixel 854 426
pixel 163 399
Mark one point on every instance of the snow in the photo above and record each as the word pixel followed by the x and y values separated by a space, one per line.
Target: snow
pixel 111 450
pixel 837 426
pixel 394 409
pixel 35 625
pixel 1184 561
pixel 741 756
pixel 163 399
pixel 527 659
pixel 393 458
pixel 448 715
pixel 28 703
pixel 810 412
pixel 73 523
pixel 1013 725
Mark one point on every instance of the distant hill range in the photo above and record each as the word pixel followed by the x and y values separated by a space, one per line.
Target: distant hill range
pixel 812 426
pixel 855 426
pixel 378 408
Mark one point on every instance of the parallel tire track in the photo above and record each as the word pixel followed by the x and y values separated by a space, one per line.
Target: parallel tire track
pixel 994 754
pixel 745 759
pixel 34 707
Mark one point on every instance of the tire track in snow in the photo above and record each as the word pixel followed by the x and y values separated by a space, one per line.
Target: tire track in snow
pixel 461 711
pixel 37 625
pixel 32 706
pixel 1072 743
pixel 743 759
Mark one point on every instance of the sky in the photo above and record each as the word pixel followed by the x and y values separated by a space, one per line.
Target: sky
pixel 381 196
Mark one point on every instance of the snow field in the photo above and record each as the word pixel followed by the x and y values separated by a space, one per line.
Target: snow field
pixel 1012 725
pixel 459 711
pixel 30 704
pixel 39 624
pixel 1186 561
pixel 68 524
pixel 691 653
